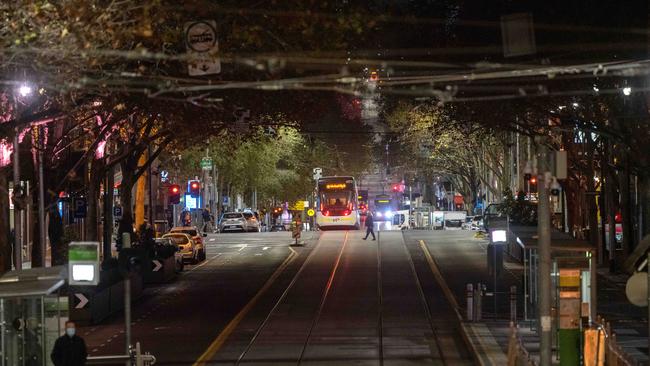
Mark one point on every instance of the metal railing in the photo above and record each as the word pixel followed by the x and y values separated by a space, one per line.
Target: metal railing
pixel 476 296
pixel 135 358
pixel 517 353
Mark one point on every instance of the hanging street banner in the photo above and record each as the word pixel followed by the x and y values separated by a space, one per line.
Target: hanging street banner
pixel 202 48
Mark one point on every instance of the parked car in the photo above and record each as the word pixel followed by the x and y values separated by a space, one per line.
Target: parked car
pixel 238 221
pixel 178 256
pixel 196 235
pixel 189 250
pixel 253 221
pixel 278 227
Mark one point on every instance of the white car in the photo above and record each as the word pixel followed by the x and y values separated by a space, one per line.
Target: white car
pixel 238 221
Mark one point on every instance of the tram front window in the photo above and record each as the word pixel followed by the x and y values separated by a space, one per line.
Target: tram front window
pixel 336 203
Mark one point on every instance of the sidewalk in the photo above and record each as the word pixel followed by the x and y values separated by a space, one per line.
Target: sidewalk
pixel 491 337
pixel 462 260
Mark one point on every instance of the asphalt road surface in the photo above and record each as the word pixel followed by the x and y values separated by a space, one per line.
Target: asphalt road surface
pixel 336 300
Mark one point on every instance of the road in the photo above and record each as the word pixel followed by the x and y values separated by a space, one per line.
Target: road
pixel 335 300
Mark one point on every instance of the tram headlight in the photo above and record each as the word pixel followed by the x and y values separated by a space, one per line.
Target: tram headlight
pixel 388 215
pixel 379 214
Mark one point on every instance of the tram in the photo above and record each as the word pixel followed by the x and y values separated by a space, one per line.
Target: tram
pixel 384 210
pixel 338 205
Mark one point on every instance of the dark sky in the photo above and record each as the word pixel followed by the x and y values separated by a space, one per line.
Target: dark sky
pixel 440 24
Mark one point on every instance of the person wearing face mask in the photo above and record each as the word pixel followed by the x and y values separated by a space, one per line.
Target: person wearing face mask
pixel 69 349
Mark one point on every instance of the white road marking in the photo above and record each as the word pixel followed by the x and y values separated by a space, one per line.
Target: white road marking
pixel 243 246
pixel 212 239
pixel 265 248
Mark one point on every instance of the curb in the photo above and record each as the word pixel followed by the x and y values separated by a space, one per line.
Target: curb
pixel 437 274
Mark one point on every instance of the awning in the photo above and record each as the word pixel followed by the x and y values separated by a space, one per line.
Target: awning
pixel 32 282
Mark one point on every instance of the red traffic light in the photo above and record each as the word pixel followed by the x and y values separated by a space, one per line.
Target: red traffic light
pixel 174 194
pixel 195 188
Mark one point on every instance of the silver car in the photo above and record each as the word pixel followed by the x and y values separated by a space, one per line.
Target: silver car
pixel 238 221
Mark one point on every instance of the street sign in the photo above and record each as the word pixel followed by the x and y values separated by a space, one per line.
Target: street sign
pixel 117 212
pixel 164 176
pixel 79 207
pixel 206 163
pixel 83 300
pixel 157 265
pixel 202 47
pixel 226 200
pixel 311 212
pixel 317 173
pixel 83 263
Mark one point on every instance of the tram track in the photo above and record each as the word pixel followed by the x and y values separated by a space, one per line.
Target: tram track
pixel 316 338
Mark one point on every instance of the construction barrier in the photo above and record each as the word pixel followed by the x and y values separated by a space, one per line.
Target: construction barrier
pixel 601 347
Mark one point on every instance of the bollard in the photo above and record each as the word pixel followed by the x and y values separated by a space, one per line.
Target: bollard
pixel 470 302
pixel 513 304
pixel 478 311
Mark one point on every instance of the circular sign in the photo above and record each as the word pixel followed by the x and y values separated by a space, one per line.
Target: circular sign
pixel 201 36
pixel 311 212
pixel 636 289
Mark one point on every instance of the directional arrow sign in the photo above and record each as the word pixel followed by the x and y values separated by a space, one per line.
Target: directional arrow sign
pixel 83 300
pixel 157 265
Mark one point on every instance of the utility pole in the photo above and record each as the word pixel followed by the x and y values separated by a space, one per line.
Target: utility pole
pixel 18 243
pixel 544 245
pixel 41 196
pixel 150 188
pixel 108 213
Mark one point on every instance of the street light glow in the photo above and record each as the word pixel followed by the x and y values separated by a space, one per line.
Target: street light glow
pixel 627 91
pixel 25 90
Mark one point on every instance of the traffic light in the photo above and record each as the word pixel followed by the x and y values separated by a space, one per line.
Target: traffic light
pixel 395 187
pixel 174 194
pixel 195 188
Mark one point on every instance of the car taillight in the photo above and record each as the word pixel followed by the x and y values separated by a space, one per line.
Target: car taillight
pixel 326 213
pixel 346 212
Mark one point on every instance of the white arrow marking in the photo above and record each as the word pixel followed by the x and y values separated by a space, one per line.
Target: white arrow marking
pixel 83 300
pixel 157 265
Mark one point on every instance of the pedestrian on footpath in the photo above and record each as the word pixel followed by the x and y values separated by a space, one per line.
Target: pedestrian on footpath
pixel 69 349
pixel 370 223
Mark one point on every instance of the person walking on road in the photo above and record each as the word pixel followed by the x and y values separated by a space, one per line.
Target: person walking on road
pixel 370 223
pixel 69 349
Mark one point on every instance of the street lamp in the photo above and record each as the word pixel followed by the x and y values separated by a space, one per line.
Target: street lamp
pixel 627 91
pixel 24 90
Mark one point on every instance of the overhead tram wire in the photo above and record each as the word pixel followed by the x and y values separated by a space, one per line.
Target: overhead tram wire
pixel 314 16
